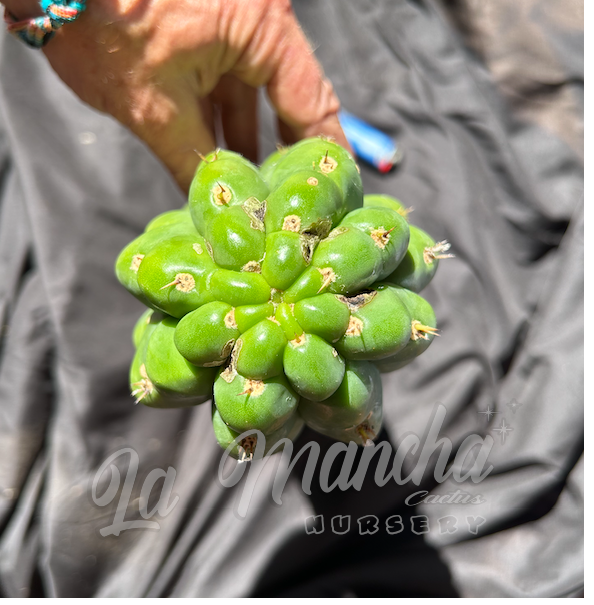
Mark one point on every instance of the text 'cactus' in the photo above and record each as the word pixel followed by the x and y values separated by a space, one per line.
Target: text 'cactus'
pixel 279 291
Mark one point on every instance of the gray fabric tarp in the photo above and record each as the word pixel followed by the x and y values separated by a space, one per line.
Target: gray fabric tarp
pixel 481 170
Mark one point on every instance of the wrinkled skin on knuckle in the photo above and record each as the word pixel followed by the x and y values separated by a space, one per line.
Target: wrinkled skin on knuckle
pixel 258 33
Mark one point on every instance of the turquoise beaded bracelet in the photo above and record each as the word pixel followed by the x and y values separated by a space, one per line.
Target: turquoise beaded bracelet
pixel 38 31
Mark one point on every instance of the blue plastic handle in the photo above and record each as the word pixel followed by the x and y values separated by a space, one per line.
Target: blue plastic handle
pixel 369 143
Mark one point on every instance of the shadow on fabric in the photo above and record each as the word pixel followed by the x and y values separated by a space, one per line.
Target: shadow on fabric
pixel 354 565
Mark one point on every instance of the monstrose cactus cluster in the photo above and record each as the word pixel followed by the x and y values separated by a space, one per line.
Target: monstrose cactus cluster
pixel 279 291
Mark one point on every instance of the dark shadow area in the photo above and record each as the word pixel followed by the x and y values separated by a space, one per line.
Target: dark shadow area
pixel 349 565
pixel 541 503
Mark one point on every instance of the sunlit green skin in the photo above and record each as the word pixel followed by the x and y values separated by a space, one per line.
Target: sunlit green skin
pixel 284 260
pixel 413 273
pixel 153 398
pixel 310 283
pixel 136 379
pixel 285 317
pixel 247 316
pixel 140 327
pixel 377 221
pixel 233 239
pixel 420 310
pixel 182 383
pixel 346 175
pixel 362 433
pixel 238 289
pixel 350 404
pixel 314 368
pixel 170 218
pixel 127 270
pixel 338 252
pixel 385 327
pixel 261 351
pixel 206 336
pixel 324 315
pixel 144 391
pixel 271 162
pixel 159 268
pixel 309 154
pixel 307 194
pixel 239 178
pixel 379 200
pixel 226 435
pixel 223 154
pixel 242 410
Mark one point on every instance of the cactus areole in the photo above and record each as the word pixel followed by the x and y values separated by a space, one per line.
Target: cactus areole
pixel 279 291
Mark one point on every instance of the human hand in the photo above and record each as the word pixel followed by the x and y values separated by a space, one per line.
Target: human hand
pixel 161 68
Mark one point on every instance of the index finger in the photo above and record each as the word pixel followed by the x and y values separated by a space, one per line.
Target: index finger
pixel 280 57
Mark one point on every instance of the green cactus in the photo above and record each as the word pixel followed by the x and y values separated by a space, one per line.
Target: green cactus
pixel 423 330
pixel 348 410
pixel 284 261
pixel 246 404
pixel 377 200
pixel 280 292
pixel 420 262
pixel 160 376
pixel 170 218
pixel 174 275
pixel 259 350
pixel 140 327
pixel 325 158
pixel 244 449
pixel 131 257
pixel 314 367
pixel 221 182
pixel 389 231
pixel 207 335
pixel 379 326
